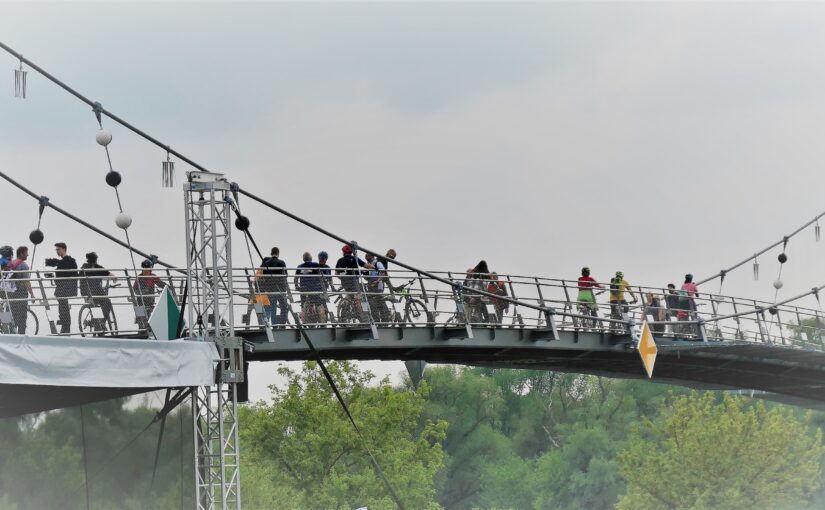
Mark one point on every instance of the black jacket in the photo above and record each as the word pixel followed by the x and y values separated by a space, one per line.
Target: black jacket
pixel 65 284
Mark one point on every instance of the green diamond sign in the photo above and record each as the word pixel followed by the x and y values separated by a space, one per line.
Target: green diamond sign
pixel 165 317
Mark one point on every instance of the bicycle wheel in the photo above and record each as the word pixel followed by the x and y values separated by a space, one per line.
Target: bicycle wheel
pixel 415 312
pixel 347 313
pixel 85 321
pixel 32 323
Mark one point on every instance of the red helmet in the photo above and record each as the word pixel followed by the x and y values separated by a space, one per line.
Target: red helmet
pixel 347 249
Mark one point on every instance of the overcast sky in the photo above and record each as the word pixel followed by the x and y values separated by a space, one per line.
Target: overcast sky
pixel 652 138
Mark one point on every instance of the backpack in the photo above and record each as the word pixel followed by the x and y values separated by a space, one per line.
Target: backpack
pixel 684 299
pixel 615 285
pixel 7 284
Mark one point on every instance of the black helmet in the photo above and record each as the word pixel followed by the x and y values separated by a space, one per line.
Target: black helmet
pixel 585 271
pixel 146 264
pixel 7 251
pixel 688 277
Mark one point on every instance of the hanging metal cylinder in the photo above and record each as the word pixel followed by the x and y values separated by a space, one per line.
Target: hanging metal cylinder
pixel 755 269
pixel 20 82
pixel 816 231
pixel 168 178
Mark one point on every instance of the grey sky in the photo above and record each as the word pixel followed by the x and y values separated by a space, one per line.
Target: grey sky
pixel 653 138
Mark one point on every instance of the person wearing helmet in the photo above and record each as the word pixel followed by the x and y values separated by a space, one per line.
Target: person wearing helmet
pixel 145 286
pixel 347 266
pixel 586 296
pixel 326 271
pixel 6 256
pixel 618 304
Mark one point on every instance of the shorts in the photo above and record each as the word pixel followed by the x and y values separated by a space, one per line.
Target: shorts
pixel 586 296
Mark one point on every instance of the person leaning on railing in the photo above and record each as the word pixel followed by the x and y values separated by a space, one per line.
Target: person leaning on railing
pixel 91 285
pixel 146 284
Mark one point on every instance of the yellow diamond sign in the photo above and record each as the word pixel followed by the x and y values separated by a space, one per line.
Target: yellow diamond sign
pixel 647 349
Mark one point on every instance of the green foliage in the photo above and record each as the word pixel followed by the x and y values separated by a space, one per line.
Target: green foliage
pixel 466 438
pixel 42 462
pixel 304 441
pixel 704 454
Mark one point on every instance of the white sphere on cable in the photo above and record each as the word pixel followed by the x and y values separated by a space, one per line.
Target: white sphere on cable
pixel 103 137
pixel 123 220
pixel 778 284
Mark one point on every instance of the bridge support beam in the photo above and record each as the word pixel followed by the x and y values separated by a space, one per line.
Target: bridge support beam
pixel 208 200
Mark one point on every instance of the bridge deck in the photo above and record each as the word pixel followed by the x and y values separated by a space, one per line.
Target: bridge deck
pixel 790 372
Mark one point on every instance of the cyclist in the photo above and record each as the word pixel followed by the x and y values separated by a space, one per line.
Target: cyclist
pixel 91 285
pixel 6 255
pixel 375 289
pixel 618 304
pixel 308 282
pixel 347 269
pixel 586 298
pixel 325 270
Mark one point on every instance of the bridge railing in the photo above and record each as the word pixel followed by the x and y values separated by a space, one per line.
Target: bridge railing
pixel 409 299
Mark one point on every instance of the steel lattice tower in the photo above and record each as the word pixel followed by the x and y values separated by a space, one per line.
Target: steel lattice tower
pixel 210 319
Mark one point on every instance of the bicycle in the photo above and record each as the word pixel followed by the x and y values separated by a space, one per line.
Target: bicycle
pixel 89 323
pixel 7 326
pixel 589 318
pixel 414 309
pixel 349 310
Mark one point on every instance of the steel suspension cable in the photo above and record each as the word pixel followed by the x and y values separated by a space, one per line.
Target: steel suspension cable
pixel 315 354
pixel 428 274
pixel 98 107
pixel 784 240
pixel 83 222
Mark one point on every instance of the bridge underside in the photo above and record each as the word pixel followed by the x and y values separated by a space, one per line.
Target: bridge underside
pixel 787 374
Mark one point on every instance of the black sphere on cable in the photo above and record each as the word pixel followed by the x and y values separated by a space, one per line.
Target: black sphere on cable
pixel 113 178
pixel 242 223
pixel 782 258
pixel 773 310
pixel 36 236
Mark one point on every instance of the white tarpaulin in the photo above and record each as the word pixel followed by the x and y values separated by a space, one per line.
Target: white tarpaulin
pixel 39 373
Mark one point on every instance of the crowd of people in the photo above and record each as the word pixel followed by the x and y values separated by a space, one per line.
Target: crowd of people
pixel 314 279
pixel 90 280
pixel 360 279
pixel 680 304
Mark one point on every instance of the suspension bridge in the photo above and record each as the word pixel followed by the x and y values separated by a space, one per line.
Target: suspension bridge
pixel 116 347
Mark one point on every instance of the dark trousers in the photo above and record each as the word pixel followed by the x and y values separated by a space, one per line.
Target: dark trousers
pixel 64 312
pixel 19 309
pixel 378 308
pixel 277 308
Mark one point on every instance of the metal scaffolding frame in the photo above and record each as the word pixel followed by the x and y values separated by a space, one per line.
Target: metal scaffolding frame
pixel 210 319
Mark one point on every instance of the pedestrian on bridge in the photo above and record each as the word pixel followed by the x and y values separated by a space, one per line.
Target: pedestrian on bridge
pixel 91 286
pixel 275 282
pixel 65 284
pixel 17 288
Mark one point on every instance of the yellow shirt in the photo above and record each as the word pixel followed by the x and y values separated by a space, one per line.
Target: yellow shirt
pixel 618 295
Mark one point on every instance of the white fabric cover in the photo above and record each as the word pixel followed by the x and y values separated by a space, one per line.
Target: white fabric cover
pixel 105 362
